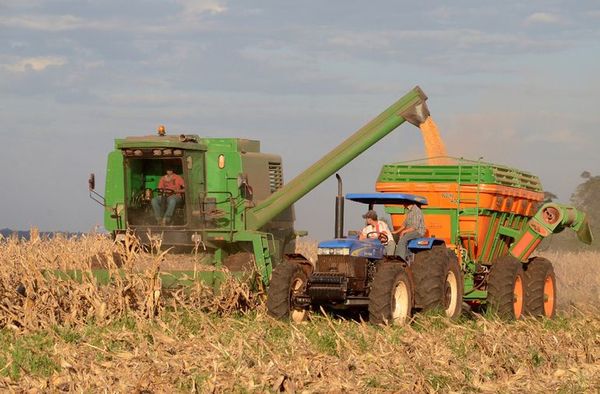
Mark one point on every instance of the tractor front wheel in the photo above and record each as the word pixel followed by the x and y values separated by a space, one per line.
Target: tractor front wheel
pixel 390 299
pixel 506 288
pixel 288 279
pixel 438 281
pixel 540 288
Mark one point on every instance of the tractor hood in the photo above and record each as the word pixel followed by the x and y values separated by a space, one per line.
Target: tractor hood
pixel 369 248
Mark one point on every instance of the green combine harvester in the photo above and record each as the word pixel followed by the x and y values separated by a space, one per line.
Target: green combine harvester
pixel 236 208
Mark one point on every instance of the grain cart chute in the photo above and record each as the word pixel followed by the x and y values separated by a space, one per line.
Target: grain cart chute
pixel 235 210
pixel 491 216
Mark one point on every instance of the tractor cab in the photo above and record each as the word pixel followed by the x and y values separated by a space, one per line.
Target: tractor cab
pixel 374 246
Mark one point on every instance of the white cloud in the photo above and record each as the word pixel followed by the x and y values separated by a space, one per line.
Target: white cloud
pixel 544 18
pixel 595 14
pixel 193 9
pixel 35 64
pixel 450 38
pixel 563 136
pixel 20 3
pixel 43 22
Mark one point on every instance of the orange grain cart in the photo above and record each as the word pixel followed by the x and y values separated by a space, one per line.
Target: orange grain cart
pixel 475 206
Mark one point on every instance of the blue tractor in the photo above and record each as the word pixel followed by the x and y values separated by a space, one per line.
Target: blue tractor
pixel 357 273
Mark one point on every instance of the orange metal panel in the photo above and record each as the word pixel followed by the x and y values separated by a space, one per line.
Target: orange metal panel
pixel 493 197
pixel 524 242
pixel 438 225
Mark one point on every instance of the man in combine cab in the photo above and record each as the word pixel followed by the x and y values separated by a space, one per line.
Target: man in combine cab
pixel 378 229
pixel 170 188
pixel 413 227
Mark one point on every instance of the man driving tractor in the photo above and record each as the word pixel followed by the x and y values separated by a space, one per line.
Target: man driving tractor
pixel 378 229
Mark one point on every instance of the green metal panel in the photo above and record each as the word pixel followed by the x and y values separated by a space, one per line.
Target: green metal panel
pixel 155 141
pixel 221 183
pixel 464 171
pixel 488 237
pixel 264 247
pixel 114 193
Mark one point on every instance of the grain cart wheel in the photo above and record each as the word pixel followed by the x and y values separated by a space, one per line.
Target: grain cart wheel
pixel 454 287
pixel 288 279
pixel 438 281
pixel 390 299
pixel 540 288
pixel 506 288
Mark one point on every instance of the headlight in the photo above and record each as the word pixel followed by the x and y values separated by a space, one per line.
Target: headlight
pixel 342 251
pixel 322 251
pixel 333 251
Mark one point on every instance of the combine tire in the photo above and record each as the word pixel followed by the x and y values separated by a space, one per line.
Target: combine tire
pixel 438 281
pixel 540 288
pixel 506 288
pixel 390 299
pixel 288 278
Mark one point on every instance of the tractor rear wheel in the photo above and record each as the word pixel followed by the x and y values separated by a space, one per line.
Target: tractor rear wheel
pixel 454 287
pixel 390 299
pixel 506 288
pixel 540 288
pixel 438 281
pixel 287 280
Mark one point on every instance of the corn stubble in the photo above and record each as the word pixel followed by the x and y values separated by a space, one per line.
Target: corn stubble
pixel 133 336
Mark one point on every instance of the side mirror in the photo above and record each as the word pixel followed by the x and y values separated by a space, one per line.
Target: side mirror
pixel 92 182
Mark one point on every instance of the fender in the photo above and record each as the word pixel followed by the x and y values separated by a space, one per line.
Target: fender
pixel 307 266
pixel 418 244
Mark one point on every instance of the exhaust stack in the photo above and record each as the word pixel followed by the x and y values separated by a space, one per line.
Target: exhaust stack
pixel 339 210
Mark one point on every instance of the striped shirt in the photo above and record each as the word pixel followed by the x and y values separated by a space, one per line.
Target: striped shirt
pixel 414 219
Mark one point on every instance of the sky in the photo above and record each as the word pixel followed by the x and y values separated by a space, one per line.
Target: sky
pixel 514 82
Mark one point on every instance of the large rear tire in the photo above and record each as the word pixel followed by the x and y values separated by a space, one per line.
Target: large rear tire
pixel 506 288
pixel 454 287
pixel 391 296
pixel 540 288
pixel 288 279
pixel 438 281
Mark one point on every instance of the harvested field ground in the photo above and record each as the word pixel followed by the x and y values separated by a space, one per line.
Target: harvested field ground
pixel 59 335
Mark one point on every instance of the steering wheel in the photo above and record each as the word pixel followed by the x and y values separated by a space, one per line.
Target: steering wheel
pixel 382 237
pixel 164 192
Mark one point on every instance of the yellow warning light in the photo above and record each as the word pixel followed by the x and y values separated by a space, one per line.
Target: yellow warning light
pixel 161 130
pixel 221 161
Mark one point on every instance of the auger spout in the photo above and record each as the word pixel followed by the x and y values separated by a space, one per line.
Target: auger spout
pixel 551 218
pixel 411 108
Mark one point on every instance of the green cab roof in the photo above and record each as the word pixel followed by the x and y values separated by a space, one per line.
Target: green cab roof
pixel 191 142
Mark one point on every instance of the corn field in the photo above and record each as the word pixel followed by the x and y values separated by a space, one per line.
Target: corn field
pixel 60 334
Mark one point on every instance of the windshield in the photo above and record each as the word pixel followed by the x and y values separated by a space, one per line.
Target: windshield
pixel 150 201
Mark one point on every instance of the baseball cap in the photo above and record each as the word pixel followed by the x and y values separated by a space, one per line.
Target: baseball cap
pixel 370 215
